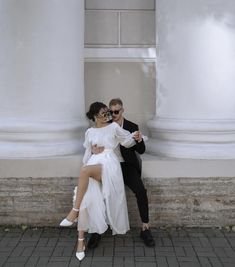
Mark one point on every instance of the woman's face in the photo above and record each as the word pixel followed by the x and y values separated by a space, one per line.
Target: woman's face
pixel 102 116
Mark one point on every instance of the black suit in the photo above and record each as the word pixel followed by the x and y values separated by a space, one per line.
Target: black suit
pixel 131 169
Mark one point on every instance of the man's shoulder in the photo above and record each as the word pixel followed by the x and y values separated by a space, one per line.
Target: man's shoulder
pixel 130 124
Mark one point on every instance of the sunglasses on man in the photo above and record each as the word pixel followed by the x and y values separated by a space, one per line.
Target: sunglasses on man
pixel 116 112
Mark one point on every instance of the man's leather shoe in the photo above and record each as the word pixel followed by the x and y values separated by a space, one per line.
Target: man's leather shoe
pixel 147 238
pixel 94 241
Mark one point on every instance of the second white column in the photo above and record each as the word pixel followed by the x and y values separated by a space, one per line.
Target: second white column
pixel 195 108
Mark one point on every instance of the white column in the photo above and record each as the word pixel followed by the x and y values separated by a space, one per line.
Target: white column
pixel 41 77
pixel 195 106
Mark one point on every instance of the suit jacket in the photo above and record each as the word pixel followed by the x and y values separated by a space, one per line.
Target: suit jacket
pixel 129 154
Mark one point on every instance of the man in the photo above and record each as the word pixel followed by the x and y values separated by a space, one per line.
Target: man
pixel 131 169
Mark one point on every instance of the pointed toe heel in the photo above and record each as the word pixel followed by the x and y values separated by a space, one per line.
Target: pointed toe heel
pixel 80 255
pixel 66 223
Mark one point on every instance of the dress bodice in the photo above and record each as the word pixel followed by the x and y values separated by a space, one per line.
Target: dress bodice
pixel 108 137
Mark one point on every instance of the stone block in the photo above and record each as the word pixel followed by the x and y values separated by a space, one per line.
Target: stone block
pixel 34 204
pixel 49 204
pixel 138 28
pixel 7 205
pixel 101 28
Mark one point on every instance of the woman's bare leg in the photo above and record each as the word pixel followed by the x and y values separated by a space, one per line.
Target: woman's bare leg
pixel 80 245
pixel 93 171
pixel 80 253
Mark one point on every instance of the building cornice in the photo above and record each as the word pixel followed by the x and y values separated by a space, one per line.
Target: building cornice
pixel 120 54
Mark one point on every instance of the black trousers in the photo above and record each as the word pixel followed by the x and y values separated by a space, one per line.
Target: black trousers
pixel 133 180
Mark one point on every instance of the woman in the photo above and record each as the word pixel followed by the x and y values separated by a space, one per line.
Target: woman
pixel 100 197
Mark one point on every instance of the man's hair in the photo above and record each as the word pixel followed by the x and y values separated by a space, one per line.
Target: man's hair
pixel 115 101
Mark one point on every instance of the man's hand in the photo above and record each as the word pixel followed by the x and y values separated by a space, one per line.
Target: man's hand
pixel 97 149
pixel 137 136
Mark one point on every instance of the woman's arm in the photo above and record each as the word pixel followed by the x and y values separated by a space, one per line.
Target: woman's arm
pixel 124 137
pixel 87 146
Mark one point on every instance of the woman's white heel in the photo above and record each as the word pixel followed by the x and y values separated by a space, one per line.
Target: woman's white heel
pixel 66 223
pixel 80 255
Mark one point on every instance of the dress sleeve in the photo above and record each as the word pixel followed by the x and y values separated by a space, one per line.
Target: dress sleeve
pixel 87 146
pixel 124 137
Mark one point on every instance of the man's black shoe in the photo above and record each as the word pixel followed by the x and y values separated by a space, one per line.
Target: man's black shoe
pixel 147 238
pixel 94 241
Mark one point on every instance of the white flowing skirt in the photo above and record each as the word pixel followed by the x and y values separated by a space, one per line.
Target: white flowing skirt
pixel 104 203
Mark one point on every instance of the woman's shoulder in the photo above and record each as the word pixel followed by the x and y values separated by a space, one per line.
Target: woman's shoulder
pixel 88 131
pixel 115 124
pixel 100 129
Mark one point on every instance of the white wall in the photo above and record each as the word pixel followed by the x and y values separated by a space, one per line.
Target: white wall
pixel 121 28
pixel 133 82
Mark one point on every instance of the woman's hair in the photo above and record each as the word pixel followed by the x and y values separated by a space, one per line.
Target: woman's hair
pixel 94 110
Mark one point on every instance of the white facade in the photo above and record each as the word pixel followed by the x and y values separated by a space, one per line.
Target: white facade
pixel 171 62
pixel 184 102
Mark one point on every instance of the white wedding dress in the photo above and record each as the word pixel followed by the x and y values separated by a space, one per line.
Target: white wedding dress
pixel 104 203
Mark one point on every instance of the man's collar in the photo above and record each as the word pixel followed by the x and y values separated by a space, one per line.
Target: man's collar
pixel 122 122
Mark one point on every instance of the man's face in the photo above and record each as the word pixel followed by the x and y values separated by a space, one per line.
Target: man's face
pixel 116 111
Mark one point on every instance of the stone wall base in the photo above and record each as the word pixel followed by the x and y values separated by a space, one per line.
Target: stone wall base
pixel 172 201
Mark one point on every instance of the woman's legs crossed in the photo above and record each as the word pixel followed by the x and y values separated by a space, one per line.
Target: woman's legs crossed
pixel 93 171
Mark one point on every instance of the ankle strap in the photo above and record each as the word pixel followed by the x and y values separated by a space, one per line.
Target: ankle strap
pixel 77 210
pixel 81 239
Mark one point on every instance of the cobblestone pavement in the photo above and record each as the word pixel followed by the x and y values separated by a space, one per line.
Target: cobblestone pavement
pixel 188 247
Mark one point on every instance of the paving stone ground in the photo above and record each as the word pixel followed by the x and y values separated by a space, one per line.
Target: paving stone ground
pixel 189 247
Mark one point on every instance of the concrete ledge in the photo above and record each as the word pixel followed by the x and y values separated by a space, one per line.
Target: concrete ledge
pixel 153 167
pixel 172 167
pixel 41 167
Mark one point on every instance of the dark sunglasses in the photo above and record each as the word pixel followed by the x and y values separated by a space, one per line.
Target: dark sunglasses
pixel 116 112
pixel 104 114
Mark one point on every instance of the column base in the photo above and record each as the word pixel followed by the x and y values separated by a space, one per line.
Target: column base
pixel 35 139
pixel 199 139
